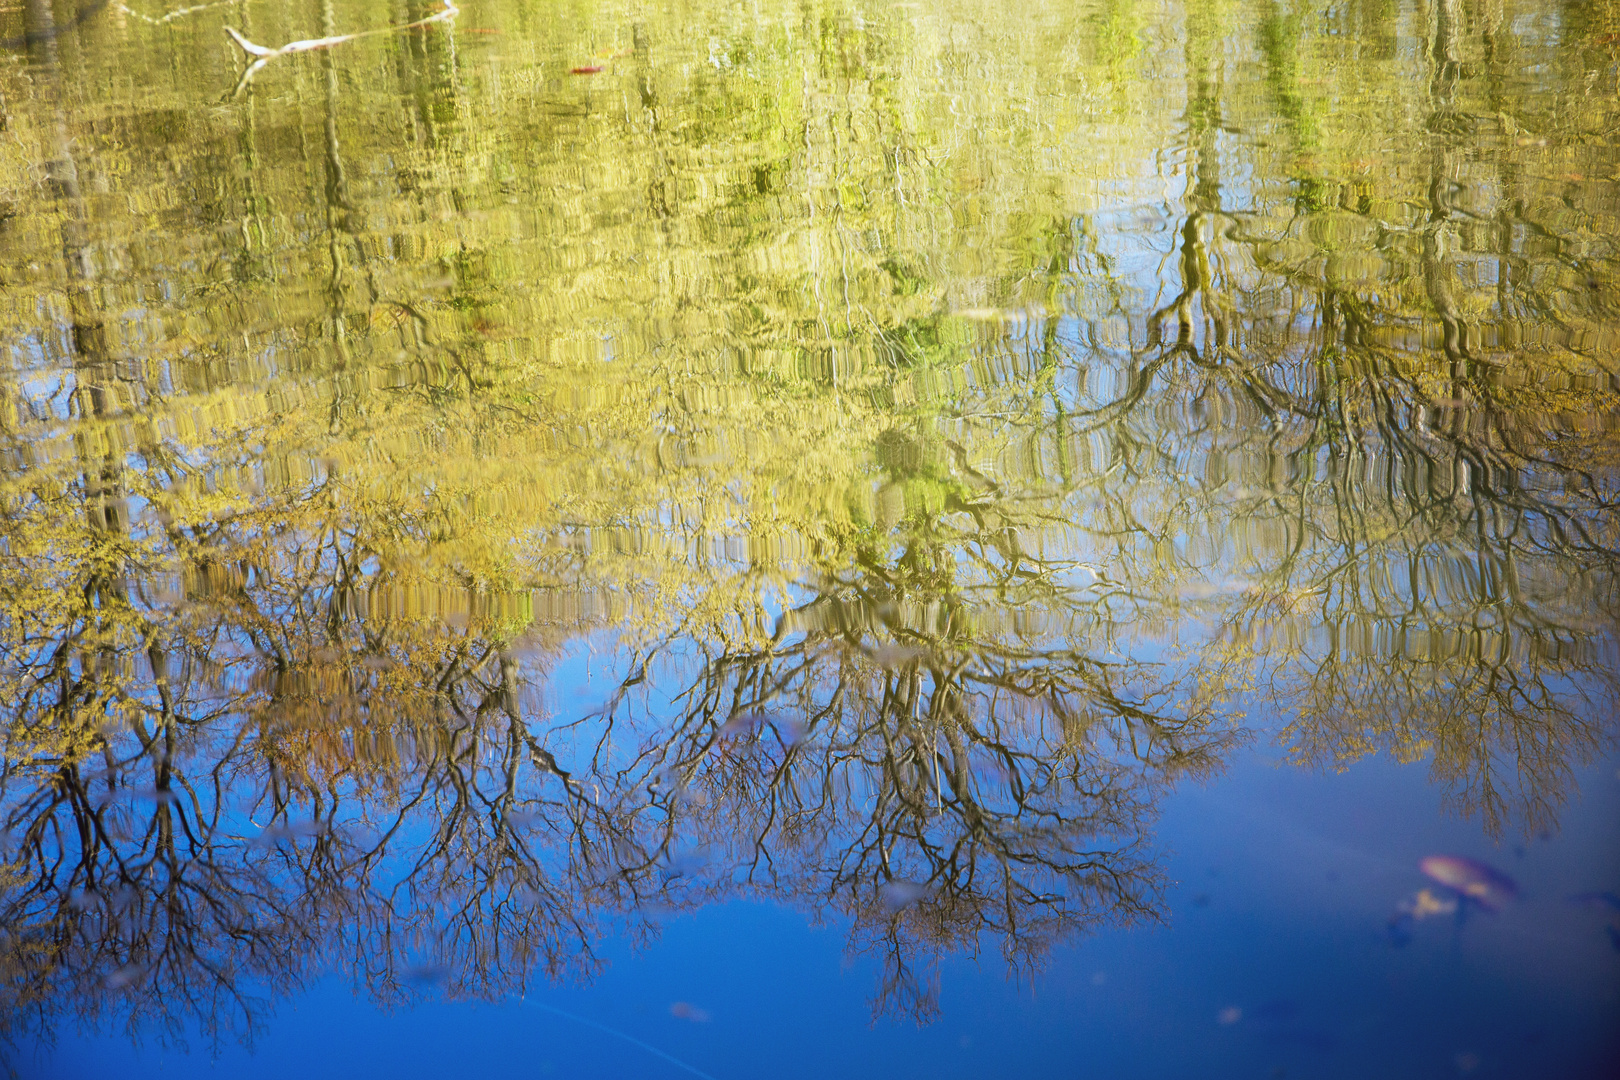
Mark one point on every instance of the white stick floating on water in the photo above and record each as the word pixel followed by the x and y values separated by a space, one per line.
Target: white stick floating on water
pixel 617 1034
pixel 265 55
pixel 159 20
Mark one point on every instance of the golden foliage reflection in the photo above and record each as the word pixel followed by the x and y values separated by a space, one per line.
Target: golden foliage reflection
pixel 924 438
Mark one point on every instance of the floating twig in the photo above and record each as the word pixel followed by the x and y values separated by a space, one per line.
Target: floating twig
pixel 617 1034
pixel 263 55
pixel 159 20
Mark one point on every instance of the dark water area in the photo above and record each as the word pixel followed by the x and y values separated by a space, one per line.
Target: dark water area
pixel 909 539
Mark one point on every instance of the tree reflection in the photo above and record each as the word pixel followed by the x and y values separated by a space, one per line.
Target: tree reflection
pixel 931 526
pixel 1446 579
pixel 936 786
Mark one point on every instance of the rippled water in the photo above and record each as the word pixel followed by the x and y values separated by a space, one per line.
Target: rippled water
pixel 545 499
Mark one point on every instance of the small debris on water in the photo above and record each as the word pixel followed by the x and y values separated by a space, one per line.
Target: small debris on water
pixel 742 724
pixel 898 895
pixel 1598 900
pixel 124 976
pixel 426 976
pixel 1471 879
pixel 891 655
pixel 1426 903
pixel 684 1010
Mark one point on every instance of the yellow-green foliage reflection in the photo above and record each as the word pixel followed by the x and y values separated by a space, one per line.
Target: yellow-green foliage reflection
pixel 1007 416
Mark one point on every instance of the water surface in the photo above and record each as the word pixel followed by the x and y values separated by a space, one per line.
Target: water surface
pixel 910 539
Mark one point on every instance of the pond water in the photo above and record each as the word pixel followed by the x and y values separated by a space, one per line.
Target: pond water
pixel 877 539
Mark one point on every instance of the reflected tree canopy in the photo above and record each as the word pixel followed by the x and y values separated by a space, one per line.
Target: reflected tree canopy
pixel 454 511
